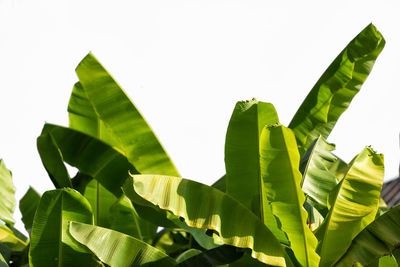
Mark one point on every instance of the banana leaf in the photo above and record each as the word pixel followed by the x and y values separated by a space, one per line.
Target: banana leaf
pixel 52 160
pixel 83 118
pixel 3 262
pixel 220 184
pixel 51 244
pixel 91 156
pixel 334 91
pixel 125 219
pixel 242 160
pixel 28 205
pixel 101 201
pixel 381 237
pixel 281 178
pixel 385 261
pixel 117 249
pixel 352 205
pixel 5 251
pixel 318 180
pixel 242 153
pixel 173 242
pixel 10 239
pixel 7 191
pixel 224 254
pixel 187 254
pixel 205 207
pixel 120 117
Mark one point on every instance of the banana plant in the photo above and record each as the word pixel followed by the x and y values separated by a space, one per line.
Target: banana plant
pixel 286 198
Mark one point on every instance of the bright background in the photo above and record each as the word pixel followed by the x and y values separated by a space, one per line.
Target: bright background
pixel 185 64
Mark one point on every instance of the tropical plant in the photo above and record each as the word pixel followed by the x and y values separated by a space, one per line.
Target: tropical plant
pixel 286 199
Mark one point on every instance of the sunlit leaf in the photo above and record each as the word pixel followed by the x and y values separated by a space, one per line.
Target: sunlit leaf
pixel 7 191
pixel 205 207
pixel 117 249
pixel 379 238
pixel 318 179
pixel 334 91
pixel 353 204
pixel 279 163
pixel 129 131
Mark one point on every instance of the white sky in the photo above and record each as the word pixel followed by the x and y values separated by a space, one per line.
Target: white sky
pixel 185 64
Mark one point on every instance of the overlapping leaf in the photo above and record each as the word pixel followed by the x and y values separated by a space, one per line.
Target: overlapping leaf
pixel 52 160
pixel 9 238
pixel 101 201
pixel 242 146
pixel 380 238
pixel 117 249
pixel 334 91
pixel 353 204
pixel 318 180
pixel 279 163
pixel 91 156
pixel 51 243
pixel 116 114
pixel 205 207
pixel 125 219
pixel 242 160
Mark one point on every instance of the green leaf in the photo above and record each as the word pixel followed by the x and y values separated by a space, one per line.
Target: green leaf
pixel 3 262
pixel 353 204
pixel 28 205
pixel 52 160
pixel 187 254
pixel 8 237
pixel 205 207
pixel 117 249
pixel 121 118
pixel 224 254
pixel 7 191
pixel 125 219
pixel 281 177
pixel 51 243
pixel 242 160
pixel 172 241
pixel 242 152
pixel 91 156
pixel 333 92
pixel 381 237
pixel 101 201
pixel 318 180
pixel 220 184
pixel 385 261
pixel 82 117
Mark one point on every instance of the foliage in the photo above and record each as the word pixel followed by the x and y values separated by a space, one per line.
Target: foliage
pixel 286 198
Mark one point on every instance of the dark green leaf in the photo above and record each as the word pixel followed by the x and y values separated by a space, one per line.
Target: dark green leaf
pixel 217 256
pixel 28 205
pixel 92 157
pixel 51 244
pixel 52 160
